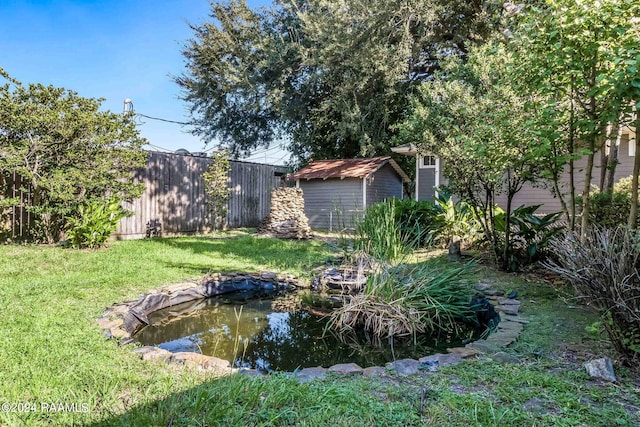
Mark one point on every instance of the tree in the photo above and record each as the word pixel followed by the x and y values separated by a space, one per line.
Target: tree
pixel 216 187
pixel 470 116
pixel 330 77
pixel 569 50
pixel 66 149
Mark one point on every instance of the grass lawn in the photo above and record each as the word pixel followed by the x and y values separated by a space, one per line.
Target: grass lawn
pixel 52 352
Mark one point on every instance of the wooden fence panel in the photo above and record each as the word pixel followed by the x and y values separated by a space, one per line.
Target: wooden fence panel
pixel 175 197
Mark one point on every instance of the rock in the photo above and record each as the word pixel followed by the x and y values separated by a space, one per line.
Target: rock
pixel 492 293
pixel 463 352
pixel 454 251
pixel 346 369
pixel 153 353
pixel 508 309
pixel 374 371
pixel 118 333
pixel 515 318
pixel 105 322
pixel 601 368
pixel 405 366
pixel 286 218
pixel 509 301
pixel 440 359
pixel 483 286
pixel 502 339
pixel 196 360
pixel 503 357
pixel 484 346
pixel 309 374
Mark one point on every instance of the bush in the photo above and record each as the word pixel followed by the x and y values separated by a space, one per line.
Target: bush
pixel 94 222
pixel 455 220
pixel 610 209
pixel 604 269
pixel 407 300
pixel 530 234
pixel 391 229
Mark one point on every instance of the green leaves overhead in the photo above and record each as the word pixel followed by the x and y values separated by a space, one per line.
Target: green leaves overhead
pixel 66 150
pixel 330 77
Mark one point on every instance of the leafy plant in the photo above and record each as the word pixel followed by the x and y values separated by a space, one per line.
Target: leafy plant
pixel 216 183
pixel 94 222
pixel 530 234
pixel 379 233
pixel 456 219
pixel 407 300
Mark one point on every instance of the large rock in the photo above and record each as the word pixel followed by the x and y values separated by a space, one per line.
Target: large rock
pixel 601 368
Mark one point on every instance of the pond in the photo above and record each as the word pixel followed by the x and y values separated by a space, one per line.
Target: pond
pixel 252 334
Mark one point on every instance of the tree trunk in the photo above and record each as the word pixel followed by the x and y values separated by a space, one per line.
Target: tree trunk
pixel 584 221
pixel 613 157
pixel 633 214
pixel 572 182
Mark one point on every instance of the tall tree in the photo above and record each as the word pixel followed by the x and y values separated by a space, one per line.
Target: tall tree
pixel 66 149
pixel 470 116
pixel 330 77
pixel 568 48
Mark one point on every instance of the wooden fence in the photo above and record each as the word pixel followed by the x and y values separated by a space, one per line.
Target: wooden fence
pixel 174 195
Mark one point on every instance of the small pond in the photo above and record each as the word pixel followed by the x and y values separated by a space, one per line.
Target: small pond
pixel 251 334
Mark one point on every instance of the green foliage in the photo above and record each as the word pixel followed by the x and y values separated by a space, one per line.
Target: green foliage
pixel 419 220
pixel 604 269
pixel 406 300
pixel 391 229
pixel 216 187
pixel 94 222
pixel 455 219
pixel 471 116
pixel 66 150
pixel 379 233
pixel 530 236
pixel 610 209
pixel 331 76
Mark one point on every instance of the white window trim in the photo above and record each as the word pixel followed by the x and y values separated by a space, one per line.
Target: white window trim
pixel 632 147
pixel 422 166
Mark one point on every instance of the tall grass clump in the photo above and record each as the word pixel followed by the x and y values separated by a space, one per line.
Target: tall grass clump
pixel 604 268
pixel 407 300
pixel 389 230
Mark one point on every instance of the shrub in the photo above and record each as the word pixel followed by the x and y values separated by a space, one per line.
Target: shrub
pixel 530 234
pixel 604 269
pixel 94 222
pixel 610 209
pixel 455 219
pixel 379 233
pixel 418 219
pixel 407 300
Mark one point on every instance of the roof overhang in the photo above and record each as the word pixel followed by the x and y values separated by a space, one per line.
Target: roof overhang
pixel 406 149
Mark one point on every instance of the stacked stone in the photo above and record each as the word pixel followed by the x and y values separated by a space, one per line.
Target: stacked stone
pixel 286 220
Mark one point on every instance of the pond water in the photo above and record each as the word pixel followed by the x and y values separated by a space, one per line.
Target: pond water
pixel 252 334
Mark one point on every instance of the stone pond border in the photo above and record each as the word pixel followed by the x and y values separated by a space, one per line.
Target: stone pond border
pixel 121 321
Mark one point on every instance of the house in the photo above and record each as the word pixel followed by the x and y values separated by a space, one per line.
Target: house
pixel 429 175
pixel 336 191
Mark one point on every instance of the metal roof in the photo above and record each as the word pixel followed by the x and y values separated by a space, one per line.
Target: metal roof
pixel 346 168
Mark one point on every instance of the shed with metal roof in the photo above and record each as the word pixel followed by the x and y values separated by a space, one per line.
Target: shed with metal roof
pixel 336 192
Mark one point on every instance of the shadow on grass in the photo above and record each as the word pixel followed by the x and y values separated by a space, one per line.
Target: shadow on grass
pixel 239 400
pixel 248 253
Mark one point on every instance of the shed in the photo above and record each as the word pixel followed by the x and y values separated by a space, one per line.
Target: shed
pixel 337 191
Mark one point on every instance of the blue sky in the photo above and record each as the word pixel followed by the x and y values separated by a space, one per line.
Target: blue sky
pixel 110 49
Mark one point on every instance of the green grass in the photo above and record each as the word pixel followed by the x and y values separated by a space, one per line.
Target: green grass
pixel 51 351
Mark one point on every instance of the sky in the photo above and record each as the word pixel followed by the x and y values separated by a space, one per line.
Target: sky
pixel 112 49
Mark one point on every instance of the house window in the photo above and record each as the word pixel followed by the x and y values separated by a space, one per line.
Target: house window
pixel 428 161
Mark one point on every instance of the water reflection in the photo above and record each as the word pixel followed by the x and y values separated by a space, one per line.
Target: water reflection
pixel 251 334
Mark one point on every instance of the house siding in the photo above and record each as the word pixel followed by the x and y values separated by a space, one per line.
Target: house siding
pixel 426 183
pixel 332 204
pixel 383 184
